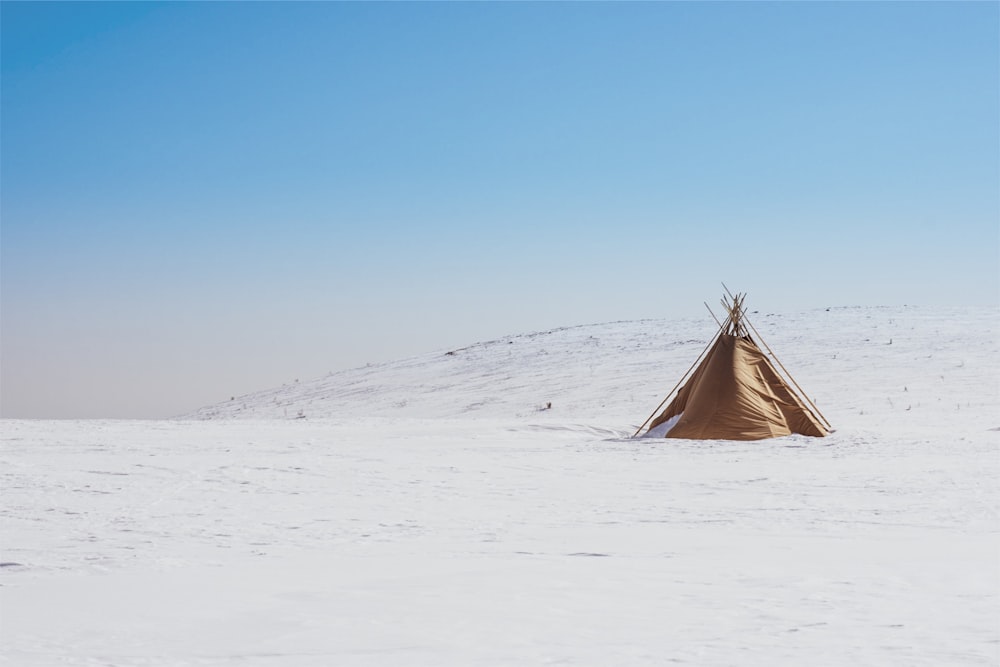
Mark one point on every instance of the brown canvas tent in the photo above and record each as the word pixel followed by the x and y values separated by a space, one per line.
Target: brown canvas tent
pixel 735 393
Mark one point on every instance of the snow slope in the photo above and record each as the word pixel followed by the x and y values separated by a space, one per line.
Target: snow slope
pixel 429 512
pixel 885 367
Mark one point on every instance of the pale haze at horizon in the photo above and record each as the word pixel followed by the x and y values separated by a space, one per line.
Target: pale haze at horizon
pixel 203 200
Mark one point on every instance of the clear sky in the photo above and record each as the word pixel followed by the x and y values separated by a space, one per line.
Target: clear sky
pixel 205 199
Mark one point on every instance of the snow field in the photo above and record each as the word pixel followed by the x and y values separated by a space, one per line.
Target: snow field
pixel 467 527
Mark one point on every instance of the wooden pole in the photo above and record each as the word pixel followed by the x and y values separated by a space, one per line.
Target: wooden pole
pixel 735 310
pixel 729 309
pixel 713 315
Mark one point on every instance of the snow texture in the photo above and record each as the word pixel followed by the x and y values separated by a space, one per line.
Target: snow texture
pixel 437 511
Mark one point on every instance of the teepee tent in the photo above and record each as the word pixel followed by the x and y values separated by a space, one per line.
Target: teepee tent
pixel 735 393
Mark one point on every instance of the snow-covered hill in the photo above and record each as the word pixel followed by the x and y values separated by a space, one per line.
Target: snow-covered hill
pixel 904 367
pixel 430 512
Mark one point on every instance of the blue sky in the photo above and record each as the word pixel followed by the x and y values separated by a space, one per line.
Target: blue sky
pixel 204 199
